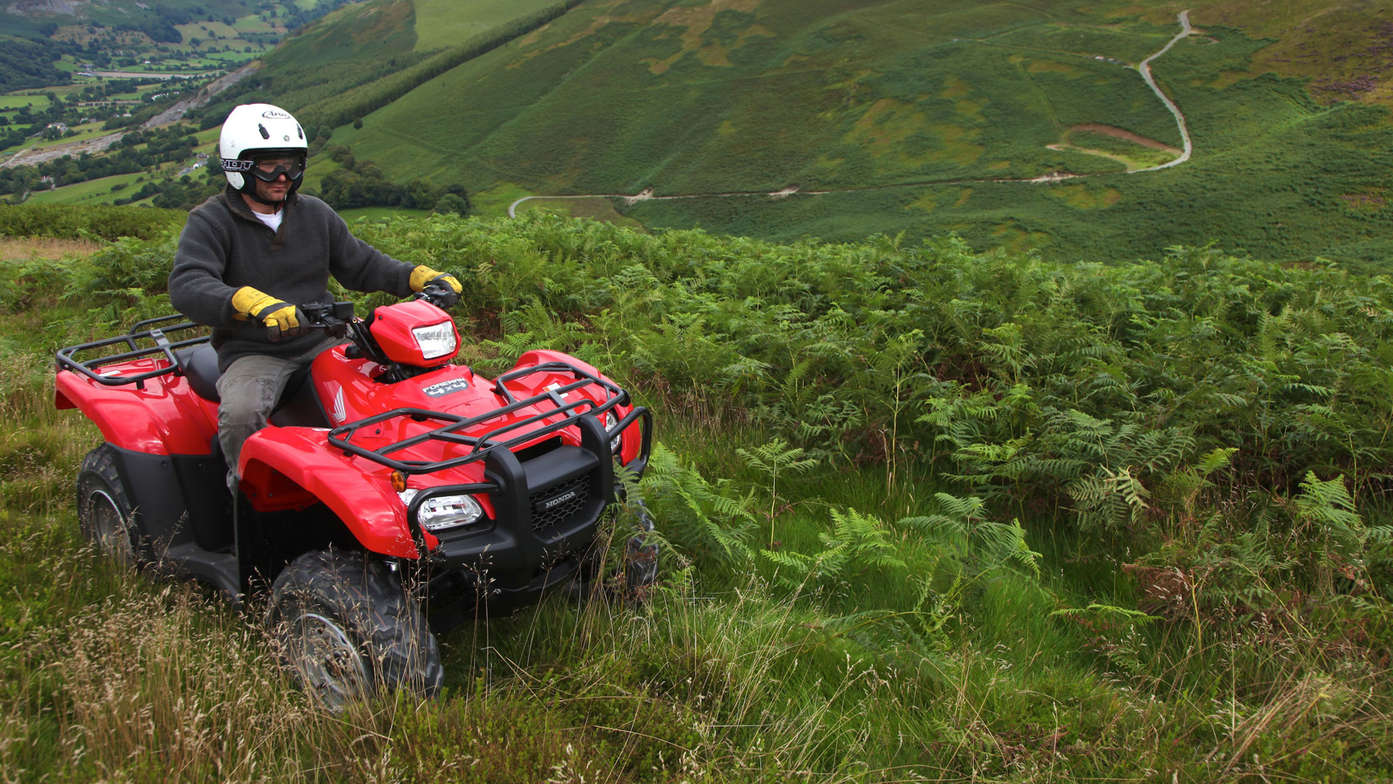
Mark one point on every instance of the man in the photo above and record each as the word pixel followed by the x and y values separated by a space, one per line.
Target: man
pixel 250 255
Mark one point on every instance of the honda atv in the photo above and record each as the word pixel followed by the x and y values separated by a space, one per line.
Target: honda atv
pixel 393 492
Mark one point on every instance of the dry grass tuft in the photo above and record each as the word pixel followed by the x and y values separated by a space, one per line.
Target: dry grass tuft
pixel 29 248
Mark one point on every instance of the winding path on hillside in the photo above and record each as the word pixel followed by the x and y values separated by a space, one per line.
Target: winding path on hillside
pixel 1144 68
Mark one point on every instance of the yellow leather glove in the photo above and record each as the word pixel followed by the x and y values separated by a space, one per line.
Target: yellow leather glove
pixel 282 319
pixel 443 285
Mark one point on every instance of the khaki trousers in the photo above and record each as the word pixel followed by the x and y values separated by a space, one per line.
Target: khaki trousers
pixel 249 390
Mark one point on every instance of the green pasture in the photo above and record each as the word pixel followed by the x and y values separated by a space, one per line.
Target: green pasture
pixel 441 24
pixel 599 208
pixel 103 190
pixel 221 59
pixel 493 203
pixel 253 23
pixel 10 101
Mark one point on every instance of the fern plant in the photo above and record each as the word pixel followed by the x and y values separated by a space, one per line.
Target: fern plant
pixel 772 459
pixel 1327 521
pixel 856 543
pixel 962 527
pixel 707 520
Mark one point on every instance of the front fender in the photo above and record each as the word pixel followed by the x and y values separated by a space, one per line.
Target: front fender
pixel 292 467
pixel 542 356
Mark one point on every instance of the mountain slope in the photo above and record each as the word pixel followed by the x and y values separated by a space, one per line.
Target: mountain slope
pixel 890 116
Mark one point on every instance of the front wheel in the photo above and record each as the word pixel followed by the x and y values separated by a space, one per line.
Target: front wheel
pixel 348 628
pixel 104 511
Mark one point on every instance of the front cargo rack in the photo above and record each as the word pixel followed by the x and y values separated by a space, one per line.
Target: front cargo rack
pixel 501 436
pixel 146 340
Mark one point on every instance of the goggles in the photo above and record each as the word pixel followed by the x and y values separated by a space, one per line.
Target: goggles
pixel 268 170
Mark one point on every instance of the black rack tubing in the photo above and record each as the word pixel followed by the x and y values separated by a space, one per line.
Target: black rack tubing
pixel 443 434
pixel 164 347
pixel 340 436
pixel 554 367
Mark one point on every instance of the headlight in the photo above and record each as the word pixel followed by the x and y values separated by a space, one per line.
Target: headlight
pixel 609 422
pixel 444 511
pixel 437 340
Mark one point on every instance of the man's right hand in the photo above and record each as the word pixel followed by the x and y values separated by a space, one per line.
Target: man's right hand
pixel 282 319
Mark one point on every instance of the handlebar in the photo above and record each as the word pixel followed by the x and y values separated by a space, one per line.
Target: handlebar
pixel 333 317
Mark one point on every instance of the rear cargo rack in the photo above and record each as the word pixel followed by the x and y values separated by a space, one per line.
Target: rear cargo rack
pixel 147 339
pixel 502 436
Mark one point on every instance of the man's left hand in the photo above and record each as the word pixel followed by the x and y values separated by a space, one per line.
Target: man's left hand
pixel 442 286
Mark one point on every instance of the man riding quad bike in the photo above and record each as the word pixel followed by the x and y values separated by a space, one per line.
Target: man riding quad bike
pixel 392 492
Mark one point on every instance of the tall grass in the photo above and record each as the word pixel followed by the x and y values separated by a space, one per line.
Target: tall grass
pixel 1221 616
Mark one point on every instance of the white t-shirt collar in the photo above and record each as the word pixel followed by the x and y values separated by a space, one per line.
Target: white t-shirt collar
pixel 272 219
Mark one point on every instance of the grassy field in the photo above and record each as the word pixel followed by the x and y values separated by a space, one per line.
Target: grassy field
pixel 1089 522
pixel 442 25
pixel 24 98
pixel 20 249
pixel 99 191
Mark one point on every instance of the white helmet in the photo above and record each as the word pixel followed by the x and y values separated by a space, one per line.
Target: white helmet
pixel 259 130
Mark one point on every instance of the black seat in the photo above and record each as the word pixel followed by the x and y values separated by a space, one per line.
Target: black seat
pixel 200 366
pixel 298 404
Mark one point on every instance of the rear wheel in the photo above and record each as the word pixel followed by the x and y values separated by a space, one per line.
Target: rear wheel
pixel 349 628
pixel 104 511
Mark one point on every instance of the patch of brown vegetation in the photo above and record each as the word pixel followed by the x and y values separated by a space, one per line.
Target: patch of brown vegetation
pixel 695 21
pixel 532 39
pixel 1121 133
pixel 29 248
pixel 85 34
pixel 1369 202
pixel 1166 591
pixel 381 21
pixel 1344 48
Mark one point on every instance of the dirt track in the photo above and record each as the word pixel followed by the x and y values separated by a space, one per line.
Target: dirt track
pixel 1145 69
pixel 1120 133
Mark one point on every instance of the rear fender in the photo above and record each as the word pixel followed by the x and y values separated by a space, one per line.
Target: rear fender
pixel 292 468
pixel 163 416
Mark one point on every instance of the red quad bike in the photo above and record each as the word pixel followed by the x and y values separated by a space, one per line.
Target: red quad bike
pixel 393 492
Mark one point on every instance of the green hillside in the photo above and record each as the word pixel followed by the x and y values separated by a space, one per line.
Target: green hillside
pixel 890 117
pixel 1014 126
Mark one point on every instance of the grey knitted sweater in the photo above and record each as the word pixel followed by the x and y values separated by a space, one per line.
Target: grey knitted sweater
pixel 224 247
